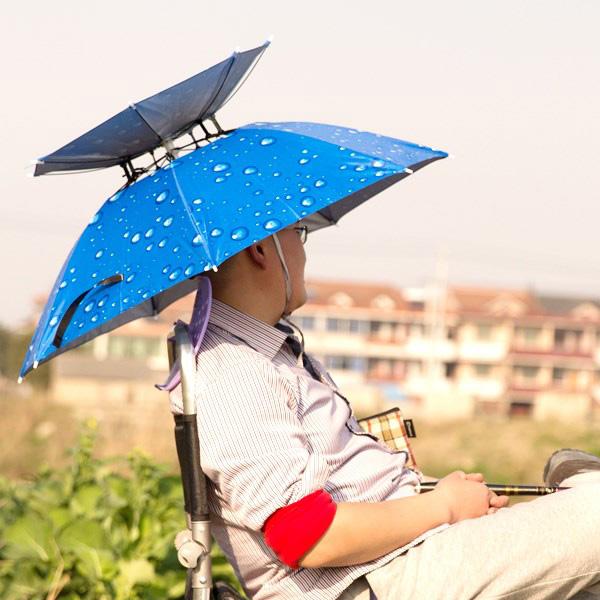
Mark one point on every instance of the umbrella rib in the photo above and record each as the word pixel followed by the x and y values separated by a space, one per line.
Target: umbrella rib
pixel 139 114
pixel 190 215
pixel 241 83
pixel 203 113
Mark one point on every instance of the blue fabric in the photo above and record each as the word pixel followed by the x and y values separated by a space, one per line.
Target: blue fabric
pixel 206 206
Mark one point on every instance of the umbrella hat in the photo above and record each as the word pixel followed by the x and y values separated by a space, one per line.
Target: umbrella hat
pixel 142 249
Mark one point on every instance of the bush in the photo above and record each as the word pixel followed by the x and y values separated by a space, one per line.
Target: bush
pixel 96 529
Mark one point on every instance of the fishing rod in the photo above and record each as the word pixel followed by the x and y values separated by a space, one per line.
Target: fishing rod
pixel 508 490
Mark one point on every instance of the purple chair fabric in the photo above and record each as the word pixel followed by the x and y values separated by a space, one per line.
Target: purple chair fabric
pixel 196 328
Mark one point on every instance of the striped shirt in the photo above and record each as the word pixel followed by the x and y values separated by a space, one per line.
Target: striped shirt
pixel 271 434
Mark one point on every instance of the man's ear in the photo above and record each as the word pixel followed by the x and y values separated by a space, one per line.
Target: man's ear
pixel 257 254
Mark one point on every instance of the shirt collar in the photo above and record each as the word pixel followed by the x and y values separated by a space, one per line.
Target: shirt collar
pixel 259 335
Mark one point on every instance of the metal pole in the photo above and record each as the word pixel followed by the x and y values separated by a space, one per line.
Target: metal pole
pixel 199 560
pixel 507 490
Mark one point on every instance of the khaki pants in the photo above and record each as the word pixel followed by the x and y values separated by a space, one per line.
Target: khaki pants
pixel 546 548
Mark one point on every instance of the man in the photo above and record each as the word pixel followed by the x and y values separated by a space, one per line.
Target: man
pixel 306 505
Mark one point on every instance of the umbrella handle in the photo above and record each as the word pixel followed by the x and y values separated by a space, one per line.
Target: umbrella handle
pixel 66 319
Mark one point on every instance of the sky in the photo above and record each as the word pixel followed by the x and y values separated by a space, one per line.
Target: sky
pixel 510 88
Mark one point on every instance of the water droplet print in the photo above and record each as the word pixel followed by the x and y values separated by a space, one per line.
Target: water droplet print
pixel 197 201
pixel 197 240
pixel 267 141
pixel 163 242
pixel 149 233
pixel 271 224
pixel 239 233
pixel 216 232
pixel 130 278
pixel 168 222
pixel 221 167
pixel 99 254
pixel 378 164
pixel 135 238
pixel 189 270
pixel 63 285
pixel 250 170
pixel 219 179
pixel 162 196
pixel 320 183
pixel 307 201
pixel 88 307
pixel 303 161
pixel 95 218
pixel 174 274
pixel 53 321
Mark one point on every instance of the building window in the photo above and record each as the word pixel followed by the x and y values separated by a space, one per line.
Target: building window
pixel 482 370
pixel 345 363
pixel 527 336
pixel 132 347
pixel 484 331
pixel 347 325
pixel 416 330
pixel 449 370
pixel 526 373
pixel 567 339
pixel 520 408
pixel 305 322
pixel 117 347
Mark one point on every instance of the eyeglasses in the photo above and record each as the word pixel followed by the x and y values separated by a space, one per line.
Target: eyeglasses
pixel 302 232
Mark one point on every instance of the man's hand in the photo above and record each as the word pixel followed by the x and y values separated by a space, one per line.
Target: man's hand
pixel 467 497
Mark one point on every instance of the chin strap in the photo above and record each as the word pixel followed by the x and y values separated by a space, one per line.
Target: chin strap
pixel 286 276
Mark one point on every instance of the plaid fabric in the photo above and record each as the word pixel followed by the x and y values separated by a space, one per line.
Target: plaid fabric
pixel 389 428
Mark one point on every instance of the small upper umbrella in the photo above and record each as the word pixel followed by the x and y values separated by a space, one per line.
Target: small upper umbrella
pixel 141 250
pixel 145 125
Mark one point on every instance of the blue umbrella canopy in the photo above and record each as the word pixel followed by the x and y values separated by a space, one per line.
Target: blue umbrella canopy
pixel 143 248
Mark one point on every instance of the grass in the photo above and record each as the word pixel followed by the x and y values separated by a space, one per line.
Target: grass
pixel 505 451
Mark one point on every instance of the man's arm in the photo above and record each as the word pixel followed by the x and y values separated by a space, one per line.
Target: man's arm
pixel 361 531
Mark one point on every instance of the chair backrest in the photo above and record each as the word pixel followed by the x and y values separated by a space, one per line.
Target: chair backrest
pixel 196 328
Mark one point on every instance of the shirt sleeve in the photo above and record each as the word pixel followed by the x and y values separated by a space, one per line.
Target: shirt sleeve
pixel 252 444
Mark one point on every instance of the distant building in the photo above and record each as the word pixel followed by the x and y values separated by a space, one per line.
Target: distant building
pixel 437 353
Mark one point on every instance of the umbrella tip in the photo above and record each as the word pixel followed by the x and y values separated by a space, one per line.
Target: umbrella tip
pixel 409 171
pixel 36 364
pixel 30 168
pixel 20 380
pixel 215 268
pixel 270 39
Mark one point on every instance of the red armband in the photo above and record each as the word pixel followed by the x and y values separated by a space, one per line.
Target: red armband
pixel 293 530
